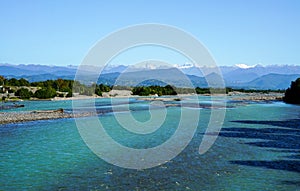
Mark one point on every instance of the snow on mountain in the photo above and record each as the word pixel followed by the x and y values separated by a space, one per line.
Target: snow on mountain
pixel 245 66
pixel 185 66
pixel 240 75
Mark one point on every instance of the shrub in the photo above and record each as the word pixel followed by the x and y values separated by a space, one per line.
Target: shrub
pixel 292 94
pixel 23 93
pixel 45 93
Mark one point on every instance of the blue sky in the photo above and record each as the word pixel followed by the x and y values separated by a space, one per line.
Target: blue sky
pixel 61 32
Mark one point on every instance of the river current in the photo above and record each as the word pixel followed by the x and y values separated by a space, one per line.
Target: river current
pixel 257 149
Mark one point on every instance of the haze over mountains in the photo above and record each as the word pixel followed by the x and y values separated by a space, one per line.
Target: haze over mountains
pixel 239 76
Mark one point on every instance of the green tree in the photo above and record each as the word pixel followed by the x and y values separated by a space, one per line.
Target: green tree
pixel 151 90
pixel 292 94
pixel 202 90
pixel 45 93
pixel 23 93
pixel 37 84
pixel 98 92
pixel 101 88
pixel 2 79
pixel 13 82
pixel 3 98
pixel 141 91
pixel 104 88
pixel 169 90
pixel 70 93
pixel 23 82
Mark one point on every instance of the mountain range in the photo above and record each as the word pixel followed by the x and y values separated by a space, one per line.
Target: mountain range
pixel 238 76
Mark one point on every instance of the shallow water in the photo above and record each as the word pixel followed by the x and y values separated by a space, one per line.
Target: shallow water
pixel 257 149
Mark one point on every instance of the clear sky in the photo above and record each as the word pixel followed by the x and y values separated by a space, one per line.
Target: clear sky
pixel 61 32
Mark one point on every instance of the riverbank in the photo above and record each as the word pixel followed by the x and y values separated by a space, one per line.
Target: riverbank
pixel 14 117
pixel 23 116
pixel 235 95
pixel 110 94
pixel 238 96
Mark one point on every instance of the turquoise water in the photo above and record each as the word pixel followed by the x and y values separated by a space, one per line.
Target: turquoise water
pixel 257 149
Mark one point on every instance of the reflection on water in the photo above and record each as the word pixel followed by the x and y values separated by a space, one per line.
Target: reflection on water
pixel 257 149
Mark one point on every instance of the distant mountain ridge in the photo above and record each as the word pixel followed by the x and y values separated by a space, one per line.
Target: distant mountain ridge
pixel 239 76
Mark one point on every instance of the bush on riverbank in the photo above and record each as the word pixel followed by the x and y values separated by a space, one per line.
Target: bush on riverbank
pixel 152 90
pixel 101 88
pixel 45 93
pixel 292 94
pixel 24 93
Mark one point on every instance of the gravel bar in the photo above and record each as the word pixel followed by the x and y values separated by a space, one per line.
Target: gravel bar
pixel 17 117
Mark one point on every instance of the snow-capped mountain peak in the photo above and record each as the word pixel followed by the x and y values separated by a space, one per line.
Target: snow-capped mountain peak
pixel 245 66
pixel 185 66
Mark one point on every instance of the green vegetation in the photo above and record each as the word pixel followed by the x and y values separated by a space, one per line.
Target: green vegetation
pixel 121 88
pixel 169 90
pixel 24 93
pixel 152 90
pixel 67 86
pixel 50 88
pixel 185 90
pixel 101 88
pixel 64 88
pixel 14 82
pixel 2 79
pixel 292 94
pixel 255 91
pixel 228 89
pixel 212 90
pixel 45 93
pixel 58 85
pixel 3 98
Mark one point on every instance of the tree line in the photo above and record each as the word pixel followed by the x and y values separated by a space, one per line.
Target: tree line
pixel 171 90
pixel 152 90
pixel 64 88
pixel 292 94
pixel 51 88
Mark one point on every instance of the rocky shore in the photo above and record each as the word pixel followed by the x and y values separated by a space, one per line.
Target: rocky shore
pixel 16 117
pixel 160 98
pixel 12 117
pixel 256 96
